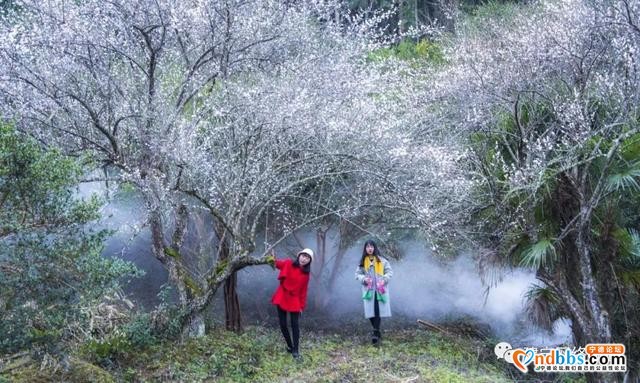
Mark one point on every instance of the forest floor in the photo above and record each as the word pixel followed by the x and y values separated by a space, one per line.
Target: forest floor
pixel 258 355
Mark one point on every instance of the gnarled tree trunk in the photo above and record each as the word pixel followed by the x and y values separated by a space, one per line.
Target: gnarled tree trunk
pixel 194 325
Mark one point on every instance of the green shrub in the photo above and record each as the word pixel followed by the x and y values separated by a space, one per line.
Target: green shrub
pixel 51 263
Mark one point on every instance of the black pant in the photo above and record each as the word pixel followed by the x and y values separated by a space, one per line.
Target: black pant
pixel 375 321
pixel 295 328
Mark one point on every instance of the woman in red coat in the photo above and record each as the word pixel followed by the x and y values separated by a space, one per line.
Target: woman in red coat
pixel 291 295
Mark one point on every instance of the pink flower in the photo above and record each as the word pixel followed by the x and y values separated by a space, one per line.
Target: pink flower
pixel 380 286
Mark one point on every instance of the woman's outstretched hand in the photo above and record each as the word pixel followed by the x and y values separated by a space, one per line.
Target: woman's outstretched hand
pixel 271 259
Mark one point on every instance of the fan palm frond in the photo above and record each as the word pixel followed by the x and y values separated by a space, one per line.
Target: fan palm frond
pixel 626 179
pixel 631 278
pixel 629 263
pixel 629 241
pixel 543 306
pixel 539 254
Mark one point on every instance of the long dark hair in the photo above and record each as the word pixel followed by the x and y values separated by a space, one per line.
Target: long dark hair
pixel 306 268
pixel 376 252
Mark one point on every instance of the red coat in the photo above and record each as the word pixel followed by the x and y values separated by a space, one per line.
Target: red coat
pixel 291 294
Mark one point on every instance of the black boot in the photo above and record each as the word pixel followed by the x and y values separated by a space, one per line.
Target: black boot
pixel 375 338
pixel 296 355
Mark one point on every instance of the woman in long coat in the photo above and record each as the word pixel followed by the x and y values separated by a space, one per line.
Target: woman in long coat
pixel 374 273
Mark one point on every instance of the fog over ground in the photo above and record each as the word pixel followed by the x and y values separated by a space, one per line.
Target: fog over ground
pixel 423 286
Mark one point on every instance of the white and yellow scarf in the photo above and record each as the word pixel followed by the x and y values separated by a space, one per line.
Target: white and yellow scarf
pixel 378 267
